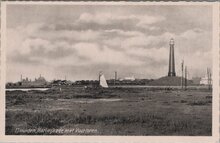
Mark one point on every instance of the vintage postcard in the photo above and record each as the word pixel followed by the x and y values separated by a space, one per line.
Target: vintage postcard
pixel 109 72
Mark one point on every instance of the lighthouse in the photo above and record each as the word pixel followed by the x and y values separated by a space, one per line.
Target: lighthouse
pixel 171 71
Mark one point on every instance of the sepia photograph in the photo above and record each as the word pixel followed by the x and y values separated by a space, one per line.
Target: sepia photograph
pixel 109 69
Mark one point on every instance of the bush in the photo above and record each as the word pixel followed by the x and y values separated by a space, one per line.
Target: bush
pixel 198 103
pixel 183 101
pixel 208 97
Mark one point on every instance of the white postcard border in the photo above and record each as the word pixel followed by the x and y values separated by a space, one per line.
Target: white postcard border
pixel 128 139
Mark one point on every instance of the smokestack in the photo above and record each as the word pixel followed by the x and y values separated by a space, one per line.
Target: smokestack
pixel 171 71
pixel 185 77
pixel 115 77
pixel 182 68
pixel 21 77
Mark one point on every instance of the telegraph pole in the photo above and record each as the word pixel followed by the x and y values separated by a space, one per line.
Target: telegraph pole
pixel 185 77
pixel 209 78
pixel 208 75
pixel 115 77
pixel 182 68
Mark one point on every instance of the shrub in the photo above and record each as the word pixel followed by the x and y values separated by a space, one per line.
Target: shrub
pixel 208 97
pixel 183 101
pixel 198 103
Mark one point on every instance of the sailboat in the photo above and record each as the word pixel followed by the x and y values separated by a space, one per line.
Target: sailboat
pixel 102 80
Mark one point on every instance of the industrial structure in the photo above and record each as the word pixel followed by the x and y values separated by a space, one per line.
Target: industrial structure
pixel 171 71
pixel 40 81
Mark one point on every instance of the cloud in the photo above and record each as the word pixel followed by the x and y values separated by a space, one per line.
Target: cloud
pixel 195 40
pixel 107 21
pixel 23 59
pixel 98 54
pixel 108 18
pixel 133 44
pixel 117 32
pixel 148 41
pixel 153 54
pixel 69 35
pixel 192 33
pixel 145 21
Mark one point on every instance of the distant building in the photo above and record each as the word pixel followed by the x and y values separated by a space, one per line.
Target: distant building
pixel 41 81
pixel 61 82
pixel 120 79
pixel 196 80
pixel 25 81
pixel 204 81
pixel 207 80
pixel 132 78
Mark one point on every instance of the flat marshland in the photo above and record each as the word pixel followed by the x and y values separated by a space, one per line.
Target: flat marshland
pixel 112 111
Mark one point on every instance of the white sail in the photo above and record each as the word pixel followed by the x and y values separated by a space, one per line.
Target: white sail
pixel 103 82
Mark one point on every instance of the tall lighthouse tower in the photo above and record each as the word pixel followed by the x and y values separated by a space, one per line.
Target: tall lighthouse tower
pixel 171 71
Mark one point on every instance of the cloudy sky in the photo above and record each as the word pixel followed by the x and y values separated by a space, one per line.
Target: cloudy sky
pixel 79 41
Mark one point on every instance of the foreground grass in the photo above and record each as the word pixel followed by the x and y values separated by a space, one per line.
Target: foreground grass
pixel 140 112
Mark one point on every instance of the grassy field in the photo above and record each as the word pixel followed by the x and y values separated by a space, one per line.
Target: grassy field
pixel 113 111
